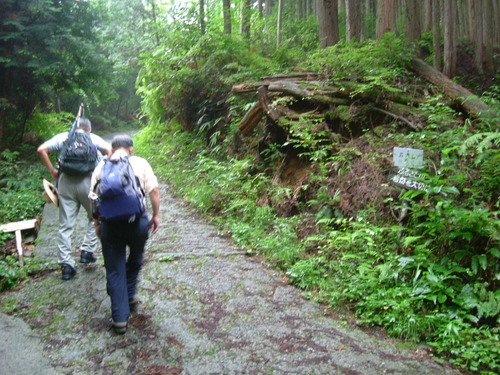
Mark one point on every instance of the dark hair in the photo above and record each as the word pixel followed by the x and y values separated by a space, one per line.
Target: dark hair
pixel 122 140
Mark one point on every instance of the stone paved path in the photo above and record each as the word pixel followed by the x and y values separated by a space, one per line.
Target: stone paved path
pixel 207 308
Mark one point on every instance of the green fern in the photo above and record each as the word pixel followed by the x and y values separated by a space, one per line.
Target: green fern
pixel 482 141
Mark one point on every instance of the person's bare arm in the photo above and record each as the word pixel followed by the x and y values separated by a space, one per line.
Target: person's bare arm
pixel 154 196
pixel 43 153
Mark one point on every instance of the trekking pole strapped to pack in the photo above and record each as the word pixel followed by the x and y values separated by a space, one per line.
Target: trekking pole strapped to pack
pixel 78 155
pixel 81 112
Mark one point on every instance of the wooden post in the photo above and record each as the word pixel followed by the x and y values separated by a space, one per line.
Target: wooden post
pixel 17 227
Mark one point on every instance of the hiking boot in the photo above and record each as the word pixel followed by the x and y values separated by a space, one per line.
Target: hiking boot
pixel 67 271
pixel 87 257
pixel 120 327
pixel 135 300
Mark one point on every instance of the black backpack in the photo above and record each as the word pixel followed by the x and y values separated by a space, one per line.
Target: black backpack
pixel 78 156
pixel 120 195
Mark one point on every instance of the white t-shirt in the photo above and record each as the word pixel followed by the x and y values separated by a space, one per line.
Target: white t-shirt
pixel 55 143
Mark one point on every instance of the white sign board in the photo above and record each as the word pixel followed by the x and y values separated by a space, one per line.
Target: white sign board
pixel 408 157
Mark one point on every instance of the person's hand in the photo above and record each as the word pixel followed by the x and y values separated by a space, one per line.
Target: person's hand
pixel 97 226
pixel 54 173
pixel 154 224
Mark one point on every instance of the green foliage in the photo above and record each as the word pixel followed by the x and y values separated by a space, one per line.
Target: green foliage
pixel 299 36
pixel 20 199
pixel 45 125
pixel 20 188
pixel 298 40
pixel 49 59
pixel 124 30
pixel 11 275
pixel 224 187
pixel 55 55
pixel 484 141
pixel 311 142
pixel 374 62
pixel 191 82
pixel 431 276
pixel 471 348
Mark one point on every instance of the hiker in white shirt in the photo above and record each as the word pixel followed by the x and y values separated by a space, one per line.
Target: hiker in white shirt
pixel 122 272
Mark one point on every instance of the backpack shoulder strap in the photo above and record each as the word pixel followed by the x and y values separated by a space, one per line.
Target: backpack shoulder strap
pixel 137 180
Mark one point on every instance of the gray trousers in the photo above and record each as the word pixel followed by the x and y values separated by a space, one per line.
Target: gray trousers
pixel 73 193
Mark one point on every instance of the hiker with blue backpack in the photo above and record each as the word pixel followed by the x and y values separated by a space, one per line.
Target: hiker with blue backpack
pixel 118 189
pixel 79 152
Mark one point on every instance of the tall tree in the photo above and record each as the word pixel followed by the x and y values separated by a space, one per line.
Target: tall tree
pixel 280 23
pixel 310 7
pixel 427 16
pixel 385 17
pixel 269 7
pixel 153 13
pixel 354 24
pixel 328 22
pixel 226 12
pixel 201 6
pixel 300 9
pixel 496 22
pixel 450 44
pixel 436 33
pixel 475 11
pixel 246 6
pixel 488 34
pixel 413 13
pixel 47 51
pixel 260 8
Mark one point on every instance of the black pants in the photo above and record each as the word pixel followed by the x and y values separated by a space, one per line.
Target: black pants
pixel 121 272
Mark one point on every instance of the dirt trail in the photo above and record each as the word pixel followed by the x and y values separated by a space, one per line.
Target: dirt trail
pixel 207 308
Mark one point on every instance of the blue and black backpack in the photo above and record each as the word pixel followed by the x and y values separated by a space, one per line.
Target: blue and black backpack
pixel 120 195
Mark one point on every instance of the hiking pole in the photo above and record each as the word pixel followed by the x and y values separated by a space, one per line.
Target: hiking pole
pixel 71 133
pixel 80 113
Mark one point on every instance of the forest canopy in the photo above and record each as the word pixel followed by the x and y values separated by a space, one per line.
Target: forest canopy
pixel 57 54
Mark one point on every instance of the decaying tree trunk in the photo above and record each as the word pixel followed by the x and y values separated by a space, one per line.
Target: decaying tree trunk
pixel 467 100
pixel 317 97
pixel 251 119
pixel 313 95
pixel 264 103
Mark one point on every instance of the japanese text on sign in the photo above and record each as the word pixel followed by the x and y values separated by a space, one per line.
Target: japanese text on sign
pixel 407 178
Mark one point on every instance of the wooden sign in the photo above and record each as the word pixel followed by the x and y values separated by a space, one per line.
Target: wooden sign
pixel 17 227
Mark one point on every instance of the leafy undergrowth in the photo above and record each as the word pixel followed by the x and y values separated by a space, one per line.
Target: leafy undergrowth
pixel 423 263
pixel 430 277
pixel 21 189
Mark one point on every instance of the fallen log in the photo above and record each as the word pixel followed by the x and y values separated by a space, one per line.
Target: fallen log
pixel 248 87
pixel 310 89
pixel 467 100
pixel 303 76
pixel 254 86
pixel 251 119
pixel 313 95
